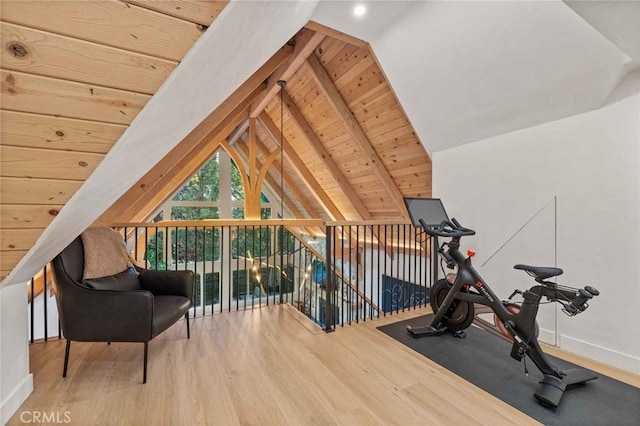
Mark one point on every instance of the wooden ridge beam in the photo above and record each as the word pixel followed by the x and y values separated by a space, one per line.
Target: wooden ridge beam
pixel 306 42
pixel 338 35
pixel 303 171
pixel 339 105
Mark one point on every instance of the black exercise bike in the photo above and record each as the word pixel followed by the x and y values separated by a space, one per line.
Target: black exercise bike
pixel 453 302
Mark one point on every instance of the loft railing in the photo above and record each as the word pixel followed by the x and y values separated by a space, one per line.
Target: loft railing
pixel 336 273
pixel 377 269
pixel 238 264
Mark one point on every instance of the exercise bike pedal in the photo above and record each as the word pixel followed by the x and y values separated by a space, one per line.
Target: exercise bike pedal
pixel 425 331
pixel 460 334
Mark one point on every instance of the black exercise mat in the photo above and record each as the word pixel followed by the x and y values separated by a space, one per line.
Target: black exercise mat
pixel 483 359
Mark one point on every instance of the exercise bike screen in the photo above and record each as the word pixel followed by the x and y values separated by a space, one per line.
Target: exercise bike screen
pixel 430 210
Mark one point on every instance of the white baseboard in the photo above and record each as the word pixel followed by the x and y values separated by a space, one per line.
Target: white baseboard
pixel 608 356
pixel 547 336
pixel 15 399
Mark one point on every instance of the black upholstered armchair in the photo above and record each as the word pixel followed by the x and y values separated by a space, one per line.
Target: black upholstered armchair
pixel 134 305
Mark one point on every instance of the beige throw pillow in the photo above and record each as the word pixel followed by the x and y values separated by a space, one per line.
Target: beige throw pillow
pixel 104 253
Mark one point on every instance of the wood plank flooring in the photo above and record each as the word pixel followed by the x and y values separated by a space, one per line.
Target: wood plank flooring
pixel 263 367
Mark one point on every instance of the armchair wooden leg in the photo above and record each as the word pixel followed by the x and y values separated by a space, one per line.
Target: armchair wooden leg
pixel 66 358
pixel 187 318
pixel 144 371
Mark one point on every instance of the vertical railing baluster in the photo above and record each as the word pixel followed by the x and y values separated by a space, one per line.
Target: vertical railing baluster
pixel 44 297
pixel 357 275
pixel 195 267
pixel 381 255
pixel 32 311
pixel 135 245
pixel 165 255
pixel 203 297
pixel 328 314
pixel 428 266
pixel 222 260
pixel 253 274
pixel 417 263
pixel 404 258
pixel 230 269
pixel 362 311
pixel 213 270
pixel 177 246
pixel 237 271
pixel 246 273
pixel 155 249
pixel 392 276
pixel 146 243
pixel 386 261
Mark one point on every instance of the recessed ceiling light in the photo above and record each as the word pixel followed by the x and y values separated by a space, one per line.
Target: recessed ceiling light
pixel 359 10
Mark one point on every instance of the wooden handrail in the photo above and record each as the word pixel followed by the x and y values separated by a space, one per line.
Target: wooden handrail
pixel 223 222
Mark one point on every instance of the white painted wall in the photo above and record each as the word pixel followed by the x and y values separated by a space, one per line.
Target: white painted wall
pixel 16 383
pixel 591 164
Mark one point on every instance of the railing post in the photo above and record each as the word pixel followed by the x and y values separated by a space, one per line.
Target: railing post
pixel 329 302
pixel 281 248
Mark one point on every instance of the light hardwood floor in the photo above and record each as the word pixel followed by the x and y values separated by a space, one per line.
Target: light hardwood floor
pixel 261 367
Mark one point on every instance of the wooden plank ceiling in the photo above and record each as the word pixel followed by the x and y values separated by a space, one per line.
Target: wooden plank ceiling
pixel 74 76
pixel 350 152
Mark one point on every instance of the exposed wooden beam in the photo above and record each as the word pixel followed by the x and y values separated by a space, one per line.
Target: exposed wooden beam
pixel 324 155
pixel 189 165
pixel 333 96
pixel 256 174
pixel 322 152
pixel 202 134
pixel 252 164
pixel 339 35
pixel 312 184
pixel 173 175
pixel 305 43
pixel 238 131
pixel 242 170
pixel 275 187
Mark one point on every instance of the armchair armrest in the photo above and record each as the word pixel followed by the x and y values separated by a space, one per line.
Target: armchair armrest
pixel 167 283
pixel 108 315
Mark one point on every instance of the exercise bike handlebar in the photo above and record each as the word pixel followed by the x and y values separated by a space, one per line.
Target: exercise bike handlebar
pixel 447 228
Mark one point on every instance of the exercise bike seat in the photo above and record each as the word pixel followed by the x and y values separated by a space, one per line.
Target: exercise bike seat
pixel 540 272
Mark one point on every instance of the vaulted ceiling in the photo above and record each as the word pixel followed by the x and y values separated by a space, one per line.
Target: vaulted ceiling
pixel 75 75
pixel 365 100
pixel 342 131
